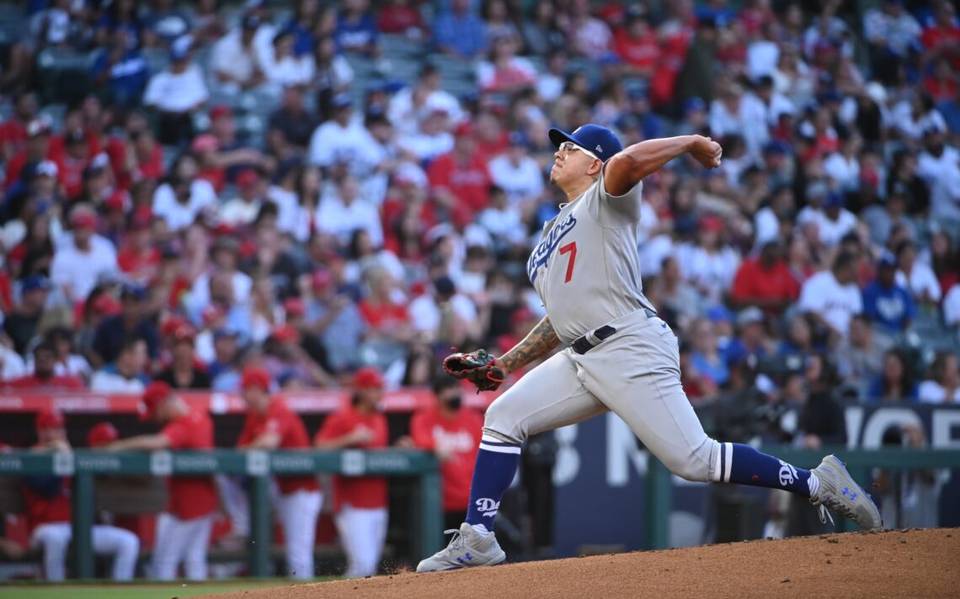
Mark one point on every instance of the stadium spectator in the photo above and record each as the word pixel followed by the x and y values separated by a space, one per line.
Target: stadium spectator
pixel 832 296
pixel 271 424
pixel 356 29
pixel 233 58
pixel 751 344
pixel 282 67
pixel 886 304
pixel 916 276
pixel 705 359
pixel 460 180
pixel 765 281
pixel 185 370
pixel 895 381
pixel 343 211
pixel 337 321
pixel 120 65
pixel 183 530
pixel 127 374
pixel 133 321
pixel 292 120
pixel 48 508
pixel 399 17
pixel 943 386
pixel 360 502
pixel 20 324
pixel 860 357
pixel 459 31
pixel 176 93
pixel 44 377
pixel 678 300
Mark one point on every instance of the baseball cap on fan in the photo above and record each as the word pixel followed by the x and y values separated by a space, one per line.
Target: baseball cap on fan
pixel 593 138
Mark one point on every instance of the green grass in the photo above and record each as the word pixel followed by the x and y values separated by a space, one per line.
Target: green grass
pixel 133 590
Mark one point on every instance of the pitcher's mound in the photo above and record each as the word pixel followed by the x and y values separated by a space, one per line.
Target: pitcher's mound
pixel 915 563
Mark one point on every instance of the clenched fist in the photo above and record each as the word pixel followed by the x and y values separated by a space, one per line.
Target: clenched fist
pixel 706 151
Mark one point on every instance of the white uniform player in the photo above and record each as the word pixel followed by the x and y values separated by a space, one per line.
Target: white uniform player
pixel 620 355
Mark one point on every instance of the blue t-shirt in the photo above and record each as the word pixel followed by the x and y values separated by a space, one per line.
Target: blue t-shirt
pixel 354 35
pixel 891 308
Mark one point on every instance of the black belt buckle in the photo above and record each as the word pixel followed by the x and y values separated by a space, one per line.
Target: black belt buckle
pixel 584 344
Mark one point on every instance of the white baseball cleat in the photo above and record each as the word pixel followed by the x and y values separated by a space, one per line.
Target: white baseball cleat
pixel 467 548
pixel 840 493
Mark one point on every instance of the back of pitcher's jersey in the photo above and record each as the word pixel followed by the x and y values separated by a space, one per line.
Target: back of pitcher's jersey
pixel 586 267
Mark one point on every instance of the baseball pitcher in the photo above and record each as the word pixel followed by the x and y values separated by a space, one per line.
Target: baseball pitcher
pixel 619 354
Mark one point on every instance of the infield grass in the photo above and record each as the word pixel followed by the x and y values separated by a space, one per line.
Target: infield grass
pixel 136 590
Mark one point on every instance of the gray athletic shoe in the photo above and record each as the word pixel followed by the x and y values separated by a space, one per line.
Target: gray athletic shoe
pixel 840 493
pixel 467 548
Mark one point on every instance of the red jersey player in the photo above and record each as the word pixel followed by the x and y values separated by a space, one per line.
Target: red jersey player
pixel 49 513
pixel 452 432
pixel 361 502
pixel 183 531
pixel 271 424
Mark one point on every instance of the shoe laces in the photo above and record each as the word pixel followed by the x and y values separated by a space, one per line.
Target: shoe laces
pixel 823 512
pixel 457 541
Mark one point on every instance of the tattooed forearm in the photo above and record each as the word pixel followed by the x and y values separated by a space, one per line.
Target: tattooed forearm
pixel 539 342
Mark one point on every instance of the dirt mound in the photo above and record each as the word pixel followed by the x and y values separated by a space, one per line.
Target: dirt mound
pixel 915 563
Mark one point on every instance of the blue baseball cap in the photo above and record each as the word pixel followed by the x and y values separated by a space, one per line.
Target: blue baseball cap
pixel 34 283
pixel 593 138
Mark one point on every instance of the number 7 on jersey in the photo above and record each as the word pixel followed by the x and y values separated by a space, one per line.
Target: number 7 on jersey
pixel 570 248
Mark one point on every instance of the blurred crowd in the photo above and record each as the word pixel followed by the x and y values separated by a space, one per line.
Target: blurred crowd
pixel 311 188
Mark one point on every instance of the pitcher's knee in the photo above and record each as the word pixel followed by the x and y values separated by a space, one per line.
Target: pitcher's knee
pixel 499 423
pixel 695 466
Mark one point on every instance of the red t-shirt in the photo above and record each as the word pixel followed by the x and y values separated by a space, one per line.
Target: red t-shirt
pixel 13 134
pixel 283 421
pixel 469 183
pixel 366 492
pixel 395 18
pixel 642 52
pixel 752 281
pixel 382 316
pixel 71 175
pixel 139 265
pixel 191 496
pixel 459 435
pixel 67 382
pixel 936 35
pixel 45 510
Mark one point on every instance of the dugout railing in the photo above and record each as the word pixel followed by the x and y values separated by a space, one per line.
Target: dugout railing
pixel 860 462
pixel 83 466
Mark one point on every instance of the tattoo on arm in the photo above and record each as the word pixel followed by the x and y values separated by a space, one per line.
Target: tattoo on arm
pixel 539 342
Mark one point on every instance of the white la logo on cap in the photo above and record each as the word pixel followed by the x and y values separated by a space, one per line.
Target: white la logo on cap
pixel 599 149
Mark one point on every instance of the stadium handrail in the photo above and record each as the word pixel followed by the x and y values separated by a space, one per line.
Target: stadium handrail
pixel 84 465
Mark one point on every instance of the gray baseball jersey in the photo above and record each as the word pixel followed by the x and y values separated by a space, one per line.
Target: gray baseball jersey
pixel 586 268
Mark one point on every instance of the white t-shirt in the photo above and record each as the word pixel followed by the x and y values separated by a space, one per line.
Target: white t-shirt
pixel 176 92
pixel 239 212
pixel 177 215
pixel 112 382
pixel 335 217
pixel 80 270
pixel 835 303
pixel 199 297
pixel 287 208
pixel 11 364
pixel 922 281
pixel 229 57
pixel 426 147
pixel 523 181
pixel 933 392
pixel 425 313
pixel 844 171
pixel 405 116
pixel 332 143
pixel 503 224
pixel 951 306
pixel 712 271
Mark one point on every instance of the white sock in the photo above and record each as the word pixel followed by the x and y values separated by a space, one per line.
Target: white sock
pixel 480 528
pixel 813 483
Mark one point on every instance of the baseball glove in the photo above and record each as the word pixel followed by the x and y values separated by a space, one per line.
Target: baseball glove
pixel 478 367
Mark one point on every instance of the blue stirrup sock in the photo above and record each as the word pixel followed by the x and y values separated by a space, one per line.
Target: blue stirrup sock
pixel 744 465
pixel 496 466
